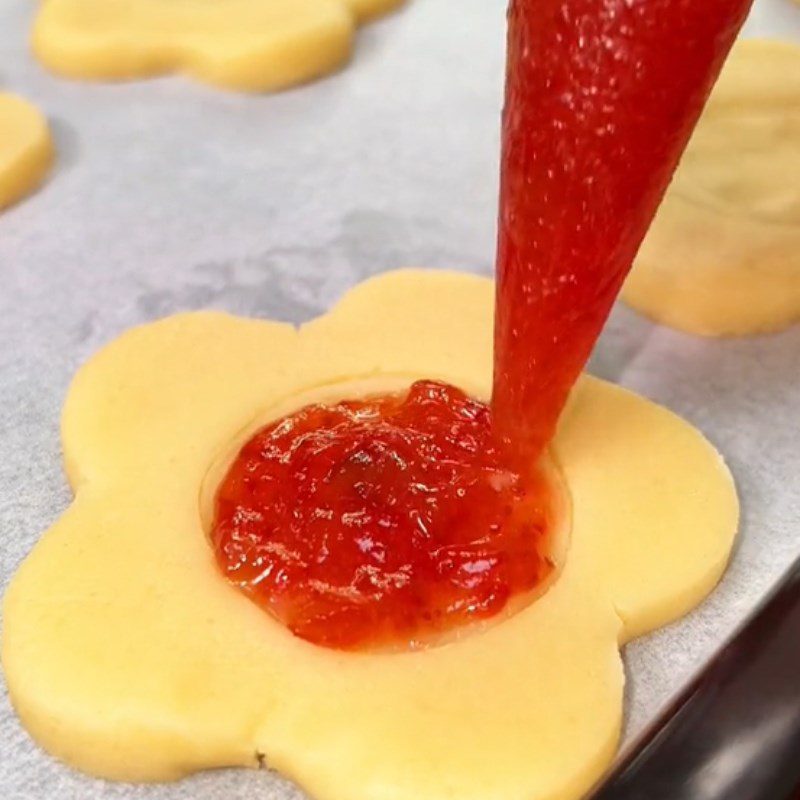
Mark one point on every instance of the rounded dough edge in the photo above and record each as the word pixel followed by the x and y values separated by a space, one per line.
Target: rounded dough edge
pixel 717 262
pixel 150 699
pixel 26 148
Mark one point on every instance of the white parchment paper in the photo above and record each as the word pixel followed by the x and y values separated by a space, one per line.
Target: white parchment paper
pixel 170 196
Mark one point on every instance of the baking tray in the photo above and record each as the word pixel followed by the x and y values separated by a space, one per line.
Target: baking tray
pixel 170 196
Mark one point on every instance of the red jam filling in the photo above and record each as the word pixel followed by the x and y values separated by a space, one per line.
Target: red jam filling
pixel 601 98
pixel 382 520
pixel 387 520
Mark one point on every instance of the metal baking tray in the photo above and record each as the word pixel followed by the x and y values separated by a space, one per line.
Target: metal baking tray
pixel 169 195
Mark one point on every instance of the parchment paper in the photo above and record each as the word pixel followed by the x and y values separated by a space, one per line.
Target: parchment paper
pixel 170 196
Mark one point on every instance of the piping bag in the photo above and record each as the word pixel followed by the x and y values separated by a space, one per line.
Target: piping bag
pixel 601 99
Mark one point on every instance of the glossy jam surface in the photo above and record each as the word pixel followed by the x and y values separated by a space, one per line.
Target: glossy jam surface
pixel 384 520
pixel 601 98
pixel 388 520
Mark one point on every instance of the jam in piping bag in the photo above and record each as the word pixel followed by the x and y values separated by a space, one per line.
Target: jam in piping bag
pixel 601 98
pixel 393 519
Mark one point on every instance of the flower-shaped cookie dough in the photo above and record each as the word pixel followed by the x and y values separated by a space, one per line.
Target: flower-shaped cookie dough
pixel 130 656
pixel 723 255
pixel 26 149
pixel 248 45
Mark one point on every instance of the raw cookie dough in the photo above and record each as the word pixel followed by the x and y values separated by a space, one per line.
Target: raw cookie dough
pixel 128 655
pixel 248 45
pixel 26 149
pixel 723 255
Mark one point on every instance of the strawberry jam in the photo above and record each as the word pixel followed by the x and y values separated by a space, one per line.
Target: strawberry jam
pixel 601 98
pixel 381 520
pixel 387 520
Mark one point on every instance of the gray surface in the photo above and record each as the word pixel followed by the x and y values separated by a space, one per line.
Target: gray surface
pixel 171 196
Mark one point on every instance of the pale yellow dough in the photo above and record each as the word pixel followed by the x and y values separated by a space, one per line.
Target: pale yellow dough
pixel 723 255
pixel 129 656
pixel 26 149
pixel 247 45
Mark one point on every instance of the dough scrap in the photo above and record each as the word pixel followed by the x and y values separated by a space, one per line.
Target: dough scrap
pixel 245 45
pixel 26 149
pixel 129 656
pixel 723 255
